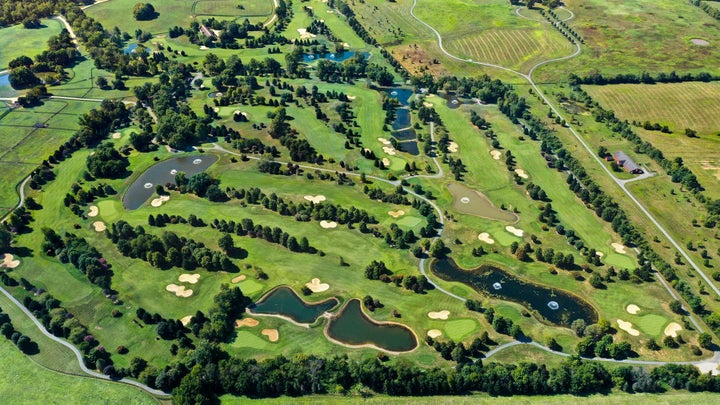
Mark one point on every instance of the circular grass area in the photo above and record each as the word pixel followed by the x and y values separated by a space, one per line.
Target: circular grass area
pixel 458 329
pixel 652 324
pixel 249 339
pixel 250 287
pixel 618 260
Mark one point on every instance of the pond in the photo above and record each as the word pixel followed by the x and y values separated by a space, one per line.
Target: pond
pixel 333 56
pixel 130 49
pixel 407 134
pixel 283 301
pixel 402 95
pixel 410 147
pixel 402 119
pixel 473 202
pixel 353 328
pixel 452 101
pixel 163 173
pixel 556 306
pixel 5 79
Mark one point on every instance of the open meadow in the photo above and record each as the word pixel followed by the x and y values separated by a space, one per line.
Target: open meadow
pixel 32 39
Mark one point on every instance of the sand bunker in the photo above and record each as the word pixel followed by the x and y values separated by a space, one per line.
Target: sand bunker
pixel 179 290
pixel 93 211
pixel 439 315
pixel 156 202
pixel 249 322
pixel 216 109
pixel 238 279
pixel 116 135
pixel 496 154
pixel 396 214
pixel 99 226
pixel 628 327
pixel 485 237
pixel 384 141
pixel 618 247
pixel 328 224
pixel 522 173
pixel 9 262
pixel 315 198
pixel 186 320
pixel 515 231
pixel 599 254
pixel 632 309
pixel 672 329
pixel 304 34
pixel 434 333
pixel 389 150
pixel 386 162
pixel 699 42
pixel 189 278
pixel 428 105
pixel 203 48
pixel 272 334
pixel 316 286
pixel 453 147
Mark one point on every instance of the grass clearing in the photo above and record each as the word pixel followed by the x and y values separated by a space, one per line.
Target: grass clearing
pixel 118 13
pixel 236 9
pixel 33 40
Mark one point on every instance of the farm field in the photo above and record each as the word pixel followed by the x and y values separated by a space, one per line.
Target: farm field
pixel 677 105
pixel 35 38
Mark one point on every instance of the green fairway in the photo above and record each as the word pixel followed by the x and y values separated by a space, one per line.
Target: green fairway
pixel 236 9
pixel 250 287
pixel 118 13
pixel 619 261
pixel 251 340
pixel 460 329
pixel 26 382
pixel 33 40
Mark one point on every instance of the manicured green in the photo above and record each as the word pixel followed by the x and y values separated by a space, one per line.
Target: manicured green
pixel 459 329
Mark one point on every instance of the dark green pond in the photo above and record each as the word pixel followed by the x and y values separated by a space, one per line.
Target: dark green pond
pixel 284 301
pixel 354 328
pixel 556 306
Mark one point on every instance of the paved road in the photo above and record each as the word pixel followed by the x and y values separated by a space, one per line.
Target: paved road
pixel 620 183
pixel 77 352
pixel 69 28
pixel 274 17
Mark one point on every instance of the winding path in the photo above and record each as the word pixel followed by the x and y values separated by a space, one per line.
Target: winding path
pixel 620 183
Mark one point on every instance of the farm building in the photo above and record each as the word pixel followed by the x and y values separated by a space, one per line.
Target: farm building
pixel 626 162
pixel 206 32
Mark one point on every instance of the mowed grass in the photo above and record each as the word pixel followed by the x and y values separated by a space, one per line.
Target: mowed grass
pixel 677 105
pixel 118 13
pixel 22 381
pixel 17 41
pixel 230 8
pixel 459 329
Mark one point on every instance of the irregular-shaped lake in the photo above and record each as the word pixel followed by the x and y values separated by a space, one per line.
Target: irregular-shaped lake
pixel 556 306
pixel 164 173
pixel 353 328
pixel 283 301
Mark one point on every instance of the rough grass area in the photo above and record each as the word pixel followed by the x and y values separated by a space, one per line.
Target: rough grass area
pixel 26 382
pixel 118 13
pixel 33 41
pixel 230 8
pixel 677 105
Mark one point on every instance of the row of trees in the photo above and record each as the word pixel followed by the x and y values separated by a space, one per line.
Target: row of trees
pixel 24 343
pixel 77 251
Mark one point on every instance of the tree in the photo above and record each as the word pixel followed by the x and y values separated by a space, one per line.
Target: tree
pixel 438 249
pixel 101 82
pixel 705 340
pixel 226 243
pixel 107 162
pixel 676 306
pixel 144 12
pixel 5 240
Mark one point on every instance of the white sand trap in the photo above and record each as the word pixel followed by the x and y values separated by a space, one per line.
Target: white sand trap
pixel 216 109
pixel 328 224
pixel 203 48
pixel 522 173
pixel 599 254
pixel 496 154
pixel 396 214
pixel 189 278
pixel 316 286
pixel 453 147
pixel 116 135
pixel 272 334
pixel 179 290
pixel 618 247
pixel 156 202
pixel 329 11
pixel 351 97
pixel 249 322
pixel 632 309
pixel 485 237
pixel 434 333
pixel 439 314
pixel 515 231
pixel 699 42
pixel 93 211
pixel 238 279
pixel 428 105
pixel 672 329
pixel 9 261
pixel 315 198
pixel 386 162
pixel 186 320
pixel 384 141
pixel 628 327
pixel 99 226
pixel 304 34
pixel 389 150
pixel 346 45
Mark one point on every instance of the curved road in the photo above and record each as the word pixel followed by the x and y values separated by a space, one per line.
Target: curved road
pixel 620 183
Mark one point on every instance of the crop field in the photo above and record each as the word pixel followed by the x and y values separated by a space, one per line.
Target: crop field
pixel 31 39
pixel 677 105
pixel 230 8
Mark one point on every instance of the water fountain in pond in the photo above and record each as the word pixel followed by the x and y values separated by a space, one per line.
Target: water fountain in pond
pixel 553 305
pixel 197 161
pixel 332 56
pixel 497 286
pixel 466 200
pixel 148 185
pixel 173 172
